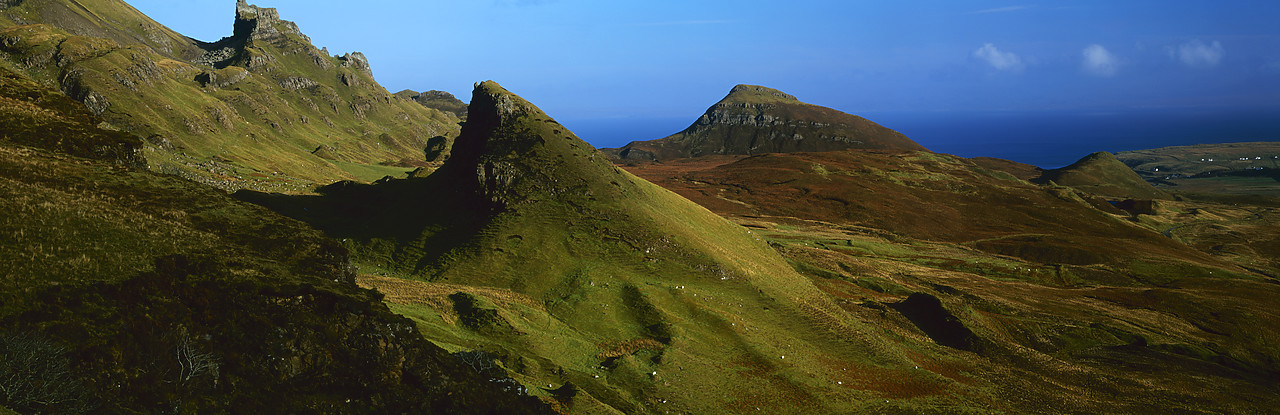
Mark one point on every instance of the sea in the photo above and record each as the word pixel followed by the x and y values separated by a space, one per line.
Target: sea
pixel 1047 139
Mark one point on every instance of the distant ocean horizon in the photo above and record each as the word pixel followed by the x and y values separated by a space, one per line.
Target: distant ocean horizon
pixel 1044 139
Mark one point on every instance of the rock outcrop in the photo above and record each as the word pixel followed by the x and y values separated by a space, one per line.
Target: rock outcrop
pixel 755 119
pixel 262 23
pixel 439 100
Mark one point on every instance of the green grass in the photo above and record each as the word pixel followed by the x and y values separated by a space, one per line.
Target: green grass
pixel 253 124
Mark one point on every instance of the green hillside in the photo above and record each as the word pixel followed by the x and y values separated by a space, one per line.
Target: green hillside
pixel 537 249
pixel 262 108
pixel 127 291
pixel 607 294
pixel 1101 173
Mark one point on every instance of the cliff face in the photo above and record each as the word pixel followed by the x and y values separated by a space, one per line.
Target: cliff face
pixel 755 119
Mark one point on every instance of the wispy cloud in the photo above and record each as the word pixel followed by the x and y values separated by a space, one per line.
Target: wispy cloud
pixel 683 23
pixel 1098 61
pixel 1198 54
pixel 1001 10
pixel 1004 61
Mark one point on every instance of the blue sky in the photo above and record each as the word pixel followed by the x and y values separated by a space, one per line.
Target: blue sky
pixel 593 59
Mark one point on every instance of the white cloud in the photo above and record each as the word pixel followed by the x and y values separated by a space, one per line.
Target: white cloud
pixel 1004 61
pixel 1100 62
pixel 1198 54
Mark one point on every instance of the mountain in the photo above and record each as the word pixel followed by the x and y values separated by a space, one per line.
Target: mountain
pixel 529 244
pixel 909 296
pixel 128 291
pixel 1101 173
pixel 755 119
pixel 521 271
pixel 262 108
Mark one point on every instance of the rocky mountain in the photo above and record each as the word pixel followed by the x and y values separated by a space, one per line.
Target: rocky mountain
pixel 529 244
pixel 128 291
pixel 1101 173
pixel 520 270
pixel 755 119
pixel 897 289
pixel 262 108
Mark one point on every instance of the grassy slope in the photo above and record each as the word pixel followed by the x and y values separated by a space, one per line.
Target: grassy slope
pixel 1198 345
pixel 936 197
pixel 1101 173
pixel 109 19
pixel 230 134
pixel 871 228
pixel 645 301
pixel 113 270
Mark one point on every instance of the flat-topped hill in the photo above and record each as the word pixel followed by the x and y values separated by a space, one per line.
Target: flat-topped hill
pixel 755 119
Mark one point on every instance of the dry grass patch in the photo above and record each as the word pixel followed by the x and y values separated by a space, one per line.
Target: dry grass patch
pixel 627 348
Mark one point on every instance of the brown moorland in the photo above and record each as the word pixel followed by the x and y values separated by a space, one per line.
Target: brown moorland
pixel 1067 303
pixel 933 197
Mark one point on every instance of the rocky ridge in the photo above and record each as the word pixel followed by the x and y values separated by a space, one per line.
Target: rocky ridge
pixel 256 104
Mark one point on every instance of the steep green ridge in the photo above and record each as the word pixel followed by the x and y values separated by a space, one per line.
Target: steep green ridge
pixel 755 119
pixel 1101 173
pixel 262 108
pixel 529 244
pixel 127 291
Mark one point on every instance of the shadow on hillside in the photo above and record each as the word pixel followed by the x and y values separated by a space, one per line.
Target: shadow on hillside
pixel 431 215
